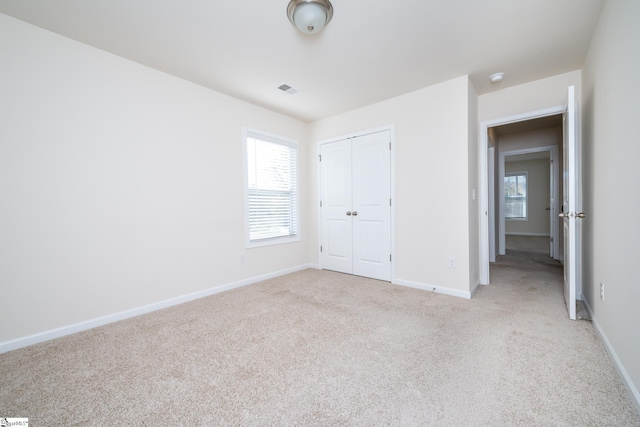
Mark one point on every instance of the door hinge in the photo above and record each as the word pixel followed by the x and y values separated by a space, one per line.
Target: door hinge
pixel 320 248
pixel 389 202
pixel 319 157
pixel 320 203
pixel 552 240
pixel 389 146
pixel 389 257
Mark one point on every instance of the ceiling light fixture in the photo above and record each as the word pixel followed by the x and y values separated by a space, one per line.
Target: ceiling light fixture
pixel 496 78
pixel 310 16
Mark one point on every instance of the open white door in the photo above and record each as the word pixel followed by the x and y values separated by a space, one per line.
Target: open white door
pixel 569 204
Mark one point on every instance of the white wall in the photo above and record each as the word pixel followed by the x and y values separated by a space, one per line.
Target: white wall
pixel 611 177
pixel 538 196
pixel 431 179
pixel 120 186
pixel 532 96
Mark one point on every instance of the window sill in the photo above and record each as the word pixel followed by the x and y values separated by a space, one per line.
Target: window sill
pixel 271 242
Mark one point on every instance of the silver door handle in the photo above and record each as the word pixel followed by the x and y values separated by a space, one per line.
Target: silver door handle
pixel 578 215
pixel 355 213
pixel 349 213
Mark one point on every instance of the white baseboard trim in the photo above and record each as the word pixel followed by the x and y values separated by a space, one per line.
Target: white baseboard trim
pixel 111 318
pixel 516 233
pixel 475 287
pixel 626 379
pixel 432 288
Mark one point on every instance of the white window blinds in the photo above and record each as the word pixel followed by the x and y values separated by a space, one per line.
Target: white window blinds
pixel 515 196
pixel 271 188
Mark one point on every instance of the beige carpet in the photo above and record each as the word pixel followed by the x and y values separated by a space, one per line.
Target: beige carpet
pixel 322 348
pixel 538 244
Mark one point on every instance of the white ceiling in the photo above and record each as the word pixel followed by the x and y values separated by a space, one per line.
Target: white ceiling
pixel 372 50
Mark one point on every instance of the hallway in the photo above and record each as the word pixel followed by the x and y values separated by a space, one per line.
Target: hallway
pixel 530 276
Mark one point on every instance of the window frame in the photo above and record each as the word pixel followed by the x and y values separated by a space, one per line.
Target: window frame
pixel 248 133
pixel 525 197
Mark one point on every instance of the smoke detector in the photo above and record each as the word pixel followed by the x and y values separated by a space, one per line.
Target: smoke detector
pixel 496 78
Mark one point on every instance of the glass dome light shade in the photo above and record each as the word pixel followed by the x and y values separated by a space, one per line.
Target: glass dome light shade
pixel 310 17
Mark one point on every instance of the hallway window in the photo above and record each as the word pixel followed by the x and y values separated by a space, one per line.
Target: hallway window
pixel 515 196
pixel 271 188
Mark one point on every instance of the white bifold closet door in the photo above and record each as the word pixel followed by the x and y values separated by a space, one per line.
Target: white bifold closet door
pixel 355 178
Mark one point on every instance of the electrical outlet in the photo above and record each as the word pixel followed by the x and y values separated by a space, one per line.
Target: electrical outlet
pixel 452 262
pixel 602 291
pixel 241 259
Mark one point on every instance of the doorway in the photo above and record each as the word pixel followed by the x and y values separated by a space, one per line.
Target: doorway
pixel 528 185
pixel 571 200
pixel 524 177
pixel 490 163
pixel 529 198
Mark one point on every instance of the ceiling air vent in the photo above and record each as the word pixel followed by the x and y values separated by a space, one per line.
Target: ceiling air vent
pixel 288 89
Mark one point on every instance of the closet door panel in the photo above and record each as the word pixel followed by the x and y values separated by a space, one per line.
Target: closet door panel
pixel 337 226
pixel 371 201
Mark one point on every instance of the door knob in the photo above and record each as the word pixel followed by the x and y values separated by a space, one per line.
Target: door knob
pixel 349 213
pixel 578 215
pixel 355 213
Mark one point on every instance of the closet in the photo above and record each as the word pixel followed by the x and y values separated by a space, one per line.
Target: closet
pixel 355 205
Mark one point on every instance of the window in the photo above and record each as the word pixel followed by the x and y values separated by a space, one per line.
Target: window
pixel 515 196
pixel 271 188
